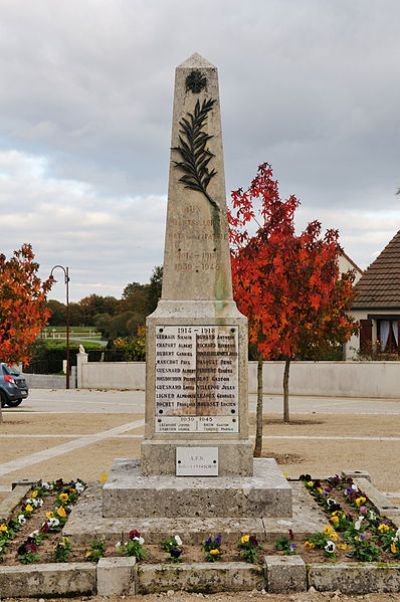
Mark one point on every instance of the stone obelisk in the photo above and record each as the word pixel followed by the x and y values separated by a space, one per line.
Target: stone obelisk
pixel 196 381
pixel 196 457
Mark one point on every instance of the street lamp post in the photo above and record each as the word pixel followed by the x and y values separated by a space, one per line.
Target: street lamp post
pixel 66 280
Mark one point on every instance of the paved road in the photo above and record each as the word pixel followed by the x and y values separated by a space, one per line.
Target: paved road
pixel 99 401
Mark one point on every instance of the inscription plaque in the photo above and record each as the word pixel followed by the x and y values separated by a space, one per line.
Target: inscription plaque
pixel 197 379
pixel 197 461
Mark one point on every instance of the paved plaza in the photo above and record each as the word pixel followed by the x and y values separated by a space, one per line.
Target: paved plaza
pixel 79 433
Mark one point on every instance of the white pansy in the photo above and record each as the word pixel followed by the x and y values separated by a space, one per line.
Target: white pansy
pixel 139 539
pixel 53 522
pixel 79 486
pixel 178 540
pixel 330 547
pixel 357 524
pixel 21 519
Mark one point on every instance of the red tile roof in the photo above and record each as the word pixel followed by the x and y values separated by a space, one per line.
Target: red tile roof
pixel 379 287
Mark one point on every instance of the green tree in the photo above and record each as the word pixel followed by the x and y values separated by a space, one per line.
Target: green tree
pixel 154 291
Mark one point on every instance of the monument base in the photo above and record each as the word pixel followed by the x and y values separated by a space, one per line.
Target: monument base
pixel 130 494
pixel 235 458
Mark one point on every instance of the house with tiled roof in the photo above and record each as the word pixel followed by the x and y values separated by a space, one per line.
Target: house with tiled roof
pixel 377 305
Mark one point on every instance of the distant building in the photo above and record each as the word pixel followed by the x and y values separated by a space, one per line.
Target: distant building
pixel 346 264
pixel 377 305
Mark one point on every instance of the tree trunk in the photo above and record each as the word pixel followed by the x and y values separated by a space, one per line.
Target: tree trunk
pixel 259 410
pixel 286 391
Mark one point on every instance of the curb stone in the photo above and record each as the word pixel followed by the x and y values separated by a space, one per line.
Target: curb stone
pixel 52 579
pixel 201 577
pixel 284 574
pixel 116 576
pixel 355 578
pixel 123 576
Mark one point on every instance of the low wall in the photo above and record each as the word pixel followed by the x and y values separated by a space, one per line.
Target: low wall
pixel 111 375
pixel 338 379
pixel 45 381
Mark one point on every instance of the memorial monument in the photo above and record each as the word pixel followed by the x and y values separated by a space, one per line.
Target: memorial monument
pixel 196 386
pixel 196 456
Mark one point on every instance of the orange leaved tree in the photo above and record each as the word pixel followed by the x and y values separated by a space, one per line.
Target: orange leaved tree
pixel 287 284
pixel 23 311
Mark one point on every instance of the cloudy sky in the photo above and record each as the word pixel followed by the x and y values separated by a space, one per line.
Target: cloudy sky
pixel 311 86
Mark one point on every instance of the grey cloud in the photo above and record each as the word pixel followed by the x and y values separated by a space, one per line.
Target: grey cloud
pixel 87 85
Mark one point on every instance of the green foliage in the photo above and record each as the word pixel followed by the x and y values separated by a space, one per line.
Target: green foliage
pixel 129 349
pixel 48 355
pixel 249 548
pixel 365 550
pixel 96 550
pixel 173 546
pixel 63 550
pixel 283 544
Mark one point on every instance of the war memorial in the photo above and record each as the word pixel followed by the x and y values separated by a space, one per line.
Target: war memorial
pixel 196 475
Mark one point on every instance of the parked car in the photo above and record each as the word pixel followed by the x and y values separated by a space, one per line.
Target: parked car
pixel 13 387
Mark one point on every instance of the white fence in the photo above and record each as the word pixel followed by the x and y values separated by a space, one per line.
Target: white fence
pixel 338 379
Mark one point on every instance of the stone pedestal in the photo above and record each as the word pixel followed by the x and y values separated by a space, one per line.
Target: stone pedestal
pixel 196 455
pixel 128 493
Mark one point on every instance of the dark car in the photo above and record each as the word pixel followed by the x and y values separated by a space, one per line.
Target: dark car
pixel 13 387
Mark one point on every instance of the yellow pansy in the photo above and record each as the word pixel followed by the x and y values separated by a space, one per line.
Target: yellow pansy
pixel 61 512
pixel 309 545
pixel 319 490
pixel 334 520
pixel 28 508
pixel 35 493
pixel 49 515
pixel 310 484
pixel 383 528
pixel 328 530
pixel 3 528
pixel 393 548
pixel 245 539
pixel 63 497
pixel 88 554
pixel 342 546
pixel 215 552
pixel 360 501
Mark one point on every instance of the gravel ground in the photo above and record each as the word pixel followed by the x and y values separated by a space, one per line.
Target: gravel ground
pixel 233 597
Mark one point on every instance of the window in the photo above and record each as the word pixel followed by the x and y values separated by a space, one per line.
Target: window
pixel 388 335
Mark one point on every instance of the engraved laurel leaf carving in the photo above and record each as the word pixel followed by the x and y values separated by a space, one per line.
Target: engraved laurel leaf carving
pixel 194 152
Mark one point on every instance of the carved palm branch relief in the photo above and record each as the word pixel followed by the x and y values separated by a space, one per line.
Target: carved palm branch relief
pixel 194 152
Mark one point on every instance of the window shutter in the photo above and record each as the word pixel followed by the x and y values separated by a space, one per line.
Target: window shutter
pixel 365 336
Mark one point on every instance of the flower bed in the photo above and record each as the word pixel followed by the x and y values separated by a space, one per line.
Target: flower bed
pixel 33 531
pixel 355 529
pixel 354 532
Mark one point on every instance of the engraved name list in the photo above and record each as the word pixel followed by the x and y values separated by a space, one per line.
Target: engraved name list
pixel 197 379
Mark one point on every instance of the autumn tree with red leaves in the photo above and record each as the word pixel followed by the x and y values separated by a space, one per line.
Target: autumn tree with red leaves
pixel 23 311
pixel 287 284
